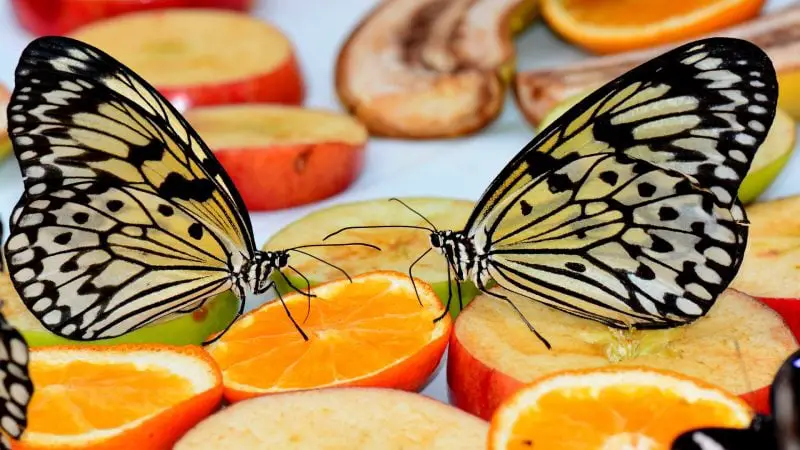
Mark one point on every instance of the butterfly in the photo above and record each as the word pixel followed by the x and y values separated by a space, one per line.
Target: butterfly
pixel 780 431
pixel 17 387
pixel 127 218
pixel 625 210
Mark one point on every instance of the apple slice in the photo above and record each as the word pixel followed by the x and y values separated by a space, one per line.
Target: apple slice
pixel 5 141
pixel 738 346
pixel 52 17
pixel 282 156
pixel 399 246
pixel 341 418
pixel 188 329
pixel 770 270
pixel 201 57
pixel 430 69
pixel 538 91
pixel 769 161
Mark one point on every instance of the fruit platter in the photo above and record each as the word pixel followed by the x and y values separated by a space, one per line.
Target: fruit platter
pixel 399 224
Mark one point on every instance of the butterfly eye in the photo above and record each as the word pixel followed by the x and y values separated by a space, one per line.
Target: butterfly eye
pixel 436 240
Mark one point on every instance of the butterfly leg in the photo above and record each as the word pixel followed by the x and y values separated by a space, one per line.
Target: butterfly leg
pixel 483 289
pixel 291 317
pixel 307 293
pixel 449 296
pixel 410 268
pixel 228 327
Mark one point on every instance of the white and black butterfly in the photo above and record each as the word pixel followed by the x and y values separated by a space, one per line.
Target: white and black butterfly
pixel 625 209
pixel 16 388
pixel 127 217
pixel 779 431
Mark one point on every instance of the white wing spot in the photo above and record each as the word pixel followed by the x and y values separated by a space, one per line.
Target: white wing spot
pixel 37 189
pixel 133 231
pixel 23 97
pixel 756 126
pixel 721 194
pixel 53 317
pixel 69 328
pixel 738 155
pixel 708 64
pixel 22 257
pixel 19 394
pixel 24 140
pixel 10 425
pixel 725 173
pixel 40 204
pixel 35 172
pixel 34 289
pixel 688 307
pixel 32 219
pixel 745 139
pixel 756 83
pixel 42 304
pixel 756 109
pixel 760 97
pixel 16 108
pixel 17 242
pixel 694 58
pixel 18 118
pixel 24 275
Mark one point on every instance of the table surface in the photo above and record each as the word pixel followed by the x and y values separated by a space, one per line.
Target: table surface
pixel 459 168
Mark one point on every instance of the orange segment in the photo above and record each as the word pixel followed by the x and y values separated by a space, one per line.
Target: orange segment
pixel 371 332
pixel 610 409
pixel 125 396
pixel 610 26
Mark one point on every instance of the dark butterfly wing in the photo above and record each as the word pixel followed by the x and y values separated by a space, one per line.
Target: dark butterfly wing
pixel 17 387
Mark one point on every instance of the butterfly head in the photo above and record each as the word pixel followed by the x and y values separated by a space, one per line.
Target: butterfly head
pixel 262 266
pixel 456 248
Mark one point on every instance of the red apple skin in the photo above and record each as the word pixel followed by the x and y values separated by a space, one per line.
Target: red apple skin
pixel 286 175
pixel 282 86
pixel 789 309
pixel 479 389
pixel 57 17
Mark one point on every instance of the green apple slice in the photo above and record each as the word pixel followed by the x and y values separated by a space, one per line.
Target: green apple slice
pixel 768 163
pixel 399 246
pixel 188 329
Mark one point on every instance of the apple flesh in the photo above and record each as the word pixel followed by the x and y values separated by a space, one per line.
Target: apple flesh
pixel 770 270
pixel 340 418
pixel 188 329
pixel 399 246
pixel 738 346
pixel 242 59
pixel 279 156
pixel 55 17
pixel 428 69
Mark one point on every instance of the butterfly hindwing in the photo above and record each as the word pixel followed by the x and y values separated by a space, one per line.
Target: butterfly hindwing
pixel 16 387
pixel 614 239
pixel 701 109
pixel 107 160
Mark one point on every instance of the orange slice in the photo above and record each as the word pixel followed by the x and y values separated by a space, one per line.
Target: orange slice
pixel 610 26
pixel 371 332
pixel 137 396
pixel 611 409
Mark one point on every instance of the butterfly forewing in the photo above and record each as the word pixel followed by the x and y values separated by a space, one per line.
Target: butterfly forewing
pixel 126 216
pixel 701 109
pixel 614 239
pixel 16 388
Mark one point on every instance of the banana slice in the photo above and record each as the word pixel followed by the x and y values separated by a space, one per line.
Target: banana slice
pixel 399 246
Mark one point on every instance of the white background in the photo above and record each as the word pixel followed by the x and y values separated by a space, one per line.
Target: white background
pixel 455 167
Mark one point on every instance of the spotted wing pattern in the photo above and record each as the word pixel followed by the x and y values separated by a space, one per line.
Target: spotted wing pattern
pixel 16 387
pixel 126 215
pixel 613 239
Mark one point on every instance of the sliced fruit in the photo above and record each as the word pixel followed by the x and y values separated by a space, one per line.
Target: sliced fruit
pixel 430 69
pixel 5 141
pixel 371 332
pixel 399 246
pixel 771 266
pixel 612 408
pixel 202 56
pixel 191 328
pixel 120 397
pixel 767 164
pixel 339 419
pixel 538 91
pixel 52 17
pixel 737 346
pixel 281 156
pixel 611 26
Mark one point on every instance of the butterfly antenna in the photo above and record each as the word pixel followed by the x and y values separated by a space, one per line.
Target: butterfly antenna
pixel 291 317
pixel 308 291
pixel 449 295
pixel 410 268
pixel 524 319
pixel 343 244
pixel 395 199
pixel 325 262
pixel 369 227
pixel 228 327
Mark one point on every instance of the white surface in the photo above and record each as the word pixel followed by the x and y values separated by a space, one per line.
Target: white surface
pixel 455 168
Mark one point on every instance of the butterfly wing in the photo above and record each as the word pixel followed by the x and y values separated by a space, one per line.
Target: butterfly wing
pixel 723 439
pixel 702 109
pixel 613 239
pixel 17 387
pixel 126 215
pixel 785 403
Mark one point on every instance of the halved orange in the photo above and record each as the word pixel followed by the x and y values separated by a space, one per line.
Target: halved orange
pixel 611 409
pixel 610 26
pixel 132 396
pixel 371 332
